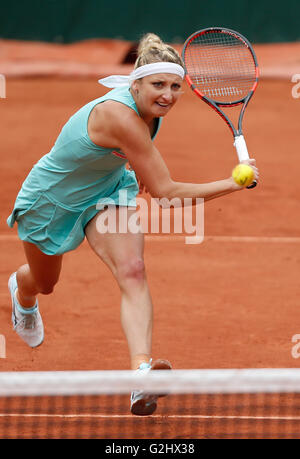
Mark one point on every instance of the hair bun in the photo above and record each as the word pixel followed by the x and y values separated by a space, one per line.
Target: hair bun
pixel 152 49
pixel 150 40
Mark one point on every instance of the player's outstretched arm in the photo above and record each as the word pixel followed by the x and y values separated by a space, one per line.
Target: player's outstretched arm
pixel 131 134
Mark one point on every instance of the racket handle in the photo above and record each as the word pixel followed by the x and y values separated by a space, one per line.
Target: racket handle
pixel 241 148
pixel 242 152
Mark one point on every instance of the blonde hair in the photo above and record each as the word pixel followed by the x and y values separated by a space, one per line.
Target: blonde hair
pixel 152 49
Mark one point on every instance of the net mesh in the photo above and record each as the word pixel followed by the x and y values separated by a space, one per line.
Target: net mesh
pixel 200 404
pixel 221 66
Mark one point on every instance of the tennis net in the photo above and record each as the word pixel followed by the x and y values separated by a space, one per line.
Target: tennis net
pixel 252 403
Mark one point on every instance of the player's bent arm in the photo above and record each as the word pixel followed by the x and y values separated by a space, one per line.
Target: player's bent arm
pixel 209 191
pixel 132 136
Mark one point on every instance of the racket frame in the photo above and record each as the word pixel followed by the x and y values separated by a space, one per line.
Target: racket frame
pixel 239 140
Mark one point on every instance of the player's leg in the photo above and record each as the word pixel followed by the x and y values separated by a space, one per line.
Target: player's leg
pixel 123 254
pixel 39 275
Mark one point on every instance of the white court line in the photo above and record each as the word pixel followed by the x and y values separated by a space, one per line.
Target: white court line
pixel 156 416
pixel 177 238
pixel 262 239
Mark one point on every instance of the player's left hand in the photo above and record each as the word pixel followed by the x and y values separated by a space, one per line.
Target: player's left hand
pixel 252 163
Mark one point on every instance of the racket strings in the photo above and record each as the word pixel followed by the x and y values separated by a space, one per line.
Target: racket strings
pixel 221 66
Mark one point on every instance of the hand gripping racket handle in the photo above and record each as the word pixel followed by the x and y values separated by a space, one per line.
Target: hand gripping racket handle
pixel 242 152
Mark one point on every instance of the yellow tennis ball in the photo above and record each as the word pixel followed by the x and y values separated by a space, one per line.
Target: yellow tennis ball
pixel 243 175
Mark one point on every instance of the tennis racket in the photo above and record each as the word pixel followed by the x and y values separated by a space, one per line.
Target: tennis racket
pixel 221 68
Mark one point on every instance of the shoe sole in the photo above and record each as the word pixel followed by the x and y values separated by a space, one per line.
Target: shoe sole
pixel 144 407
pixel 161 364
pixel 147 405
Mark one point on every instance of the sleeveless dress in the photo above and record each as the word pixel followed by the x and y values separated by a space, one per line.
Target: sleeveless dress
pixel 68 186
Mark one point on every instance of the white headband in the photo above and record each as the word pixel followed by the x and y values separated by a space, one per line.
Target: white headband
pixel 116 81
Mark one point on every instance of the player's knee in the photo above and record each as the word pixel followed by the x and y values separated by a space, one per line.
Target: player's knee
pixel 46 288
pixel 131 270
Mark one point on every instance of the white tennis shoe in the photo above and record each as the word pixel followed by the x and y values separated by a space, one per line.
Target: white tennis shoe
pixel 28 325
pixel 143 404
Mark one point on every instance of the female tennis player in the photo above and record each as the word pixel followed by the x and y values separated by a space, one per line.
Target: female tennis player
pixel 56 206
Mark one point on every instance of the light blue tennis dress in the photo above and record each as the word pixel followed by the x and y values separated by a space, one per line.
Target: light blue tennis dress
pixel 60 194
